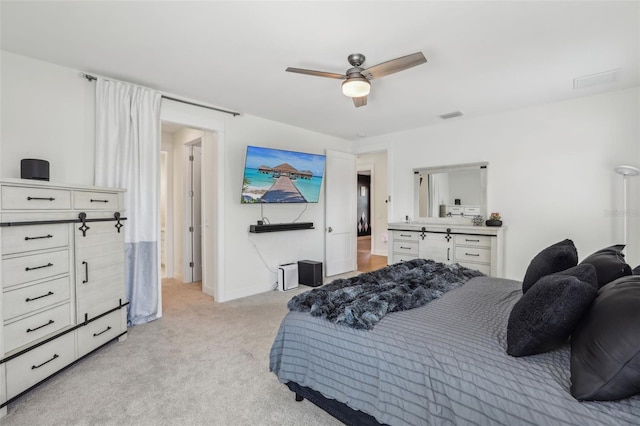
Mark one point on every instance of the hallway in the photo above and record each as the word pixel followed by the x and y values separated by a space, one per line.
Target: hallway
pixel 367 261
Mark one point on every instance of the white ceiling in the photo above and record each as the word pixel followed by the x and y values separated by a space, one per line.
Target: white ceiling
pixel 483 57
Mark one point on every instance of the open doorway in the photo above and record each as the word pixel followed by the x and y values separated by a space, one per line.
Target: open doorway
pixel 372 198
pixel 181 205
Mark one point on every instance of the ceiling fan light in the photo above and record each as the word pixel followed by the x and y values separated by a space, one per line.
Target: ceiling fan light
pixel 356 87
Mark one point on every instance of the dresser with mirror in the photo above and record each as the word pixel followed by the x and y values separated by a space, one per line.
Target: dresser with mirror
pixel 450 209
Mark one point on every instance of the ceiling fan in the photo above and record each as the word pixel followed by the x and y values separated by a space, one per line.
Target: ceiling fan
pixel 356 80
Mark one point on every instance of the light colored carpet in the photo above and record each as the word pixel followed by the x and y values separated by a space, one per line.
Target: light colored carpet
pixel 203 363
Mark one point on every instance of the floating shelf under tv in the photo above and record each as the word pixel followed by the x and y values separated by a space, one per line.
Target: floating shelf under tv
pixel 277 227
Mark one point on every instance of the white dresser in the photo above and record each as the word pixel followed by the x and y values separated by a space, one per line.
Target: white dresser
pixel 62 269
pixel 476 247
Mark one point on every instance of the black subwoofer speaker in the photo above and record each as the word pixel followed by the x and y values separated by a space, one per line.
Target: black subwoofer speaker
pixel 30 168
pixel 310 273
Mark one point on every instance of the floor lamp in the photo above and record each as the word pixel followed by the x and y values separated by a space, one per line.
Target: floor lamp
pixel 625 171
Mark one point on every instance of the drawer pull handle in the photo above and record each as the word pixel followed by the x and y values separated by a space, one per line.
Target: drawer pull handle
pixel 472 241
pixel 404 235
pixel 40 198
pixel 99 201
pixel 29 330
pixel 33 367
pixel 405 248
pixel 38 238
pixel 38 267
pixel 472 254
pixel 31 299
pixel 448 252
pixel 103 331
pixel 86 272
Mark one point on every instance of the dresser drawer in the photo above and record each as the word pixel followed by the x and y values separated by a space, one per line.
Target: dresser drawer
pixel 405 247
pixel 25 300
pixel 84 200
pixel 19 239
pixel 100 331
pixel 454 211
pixel 27 330
pixel 472 254
pixel 21 198
pixel 471 211
pixel 482 267
pixel 472 240
pixel 24 269
pixel 38 364
pixel 406 236
pixel 399 257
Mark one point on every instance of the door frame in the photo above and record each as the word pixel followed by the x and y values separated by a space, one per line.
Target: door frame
pixel 213 271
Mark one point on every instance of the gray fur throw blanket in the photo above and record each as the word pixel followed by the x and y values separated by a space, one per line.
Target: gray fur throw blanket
pixel 361 301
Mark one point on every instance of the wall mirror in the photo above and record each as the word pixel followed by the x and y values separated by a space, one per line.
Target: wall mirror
pixel 454 193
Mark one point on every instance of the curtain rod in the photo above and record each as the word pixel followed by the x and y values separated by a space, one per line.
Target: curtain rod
pixel 90 77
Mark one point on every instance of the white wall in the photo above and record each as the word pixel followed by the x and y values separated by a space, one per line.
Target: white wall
pixel 48 113
pixel 550 170
pixel 246 272
pixel 378 162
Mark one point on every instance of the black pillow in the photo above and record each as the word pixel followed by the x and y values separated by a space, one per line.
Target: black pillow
pixel 545 316
pixel 609 263
pixel 555 258
pixel 585 272
pixel 605 346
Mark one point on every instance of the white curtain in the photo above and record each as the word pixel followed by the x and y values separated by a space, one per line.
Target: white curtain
pixel 128 156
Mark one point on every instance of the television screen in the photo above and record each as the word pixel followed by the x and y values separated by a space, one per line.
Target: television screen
pixel 279 176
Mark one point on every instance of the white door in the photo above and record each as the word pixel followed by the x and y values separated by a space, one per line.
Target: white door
pixel 196 222
pixel 437 247
pixel 340 231
pixel 193 213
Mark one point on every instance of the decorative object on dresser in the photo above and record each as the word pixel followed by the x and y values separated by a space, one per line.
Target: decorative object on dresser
pixel 31 168
pixel 494 219
pixel 62 270
pixel 476 247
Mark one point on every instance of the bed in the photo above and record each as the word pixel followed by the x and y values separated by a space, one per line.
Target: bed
pixel 442 363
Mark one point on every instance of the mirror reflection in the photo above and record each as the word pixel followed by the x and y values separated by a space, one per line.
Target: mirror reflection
pixel 449 192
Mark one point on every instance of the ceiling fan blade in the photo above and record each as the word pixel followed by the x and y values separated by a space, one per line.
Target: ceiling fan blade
pixel 394 65
pixel 317 73
pixel 361 101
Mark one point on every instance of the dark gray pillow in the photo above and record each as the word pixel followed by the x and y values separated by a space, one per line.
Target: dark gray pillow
pixel 555 258
pixel 605 346
pixel 545 316
pixel 609 263
pixel 585 272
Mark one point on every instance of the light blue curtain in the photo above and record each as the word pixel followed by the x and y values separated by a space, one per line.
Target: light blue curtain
pixel 127 156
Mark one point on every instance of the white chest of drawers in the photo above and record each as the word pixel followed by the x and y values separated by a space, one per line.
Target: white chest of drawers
pixel 476 247
pixel 62 268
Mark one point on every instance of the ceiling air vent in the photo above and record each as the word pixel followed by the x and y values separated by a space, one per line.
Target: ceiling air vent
pixel 449 115
pixel 596 79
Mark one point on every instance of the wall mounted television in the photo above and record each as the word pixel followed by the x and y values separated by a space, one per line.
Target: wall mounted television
pixel 280 176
